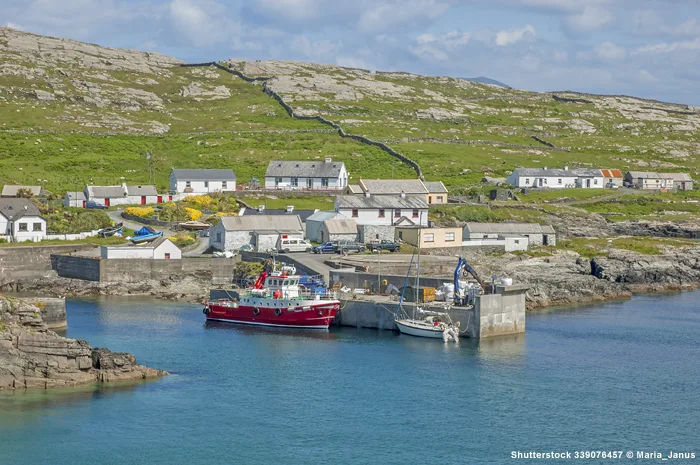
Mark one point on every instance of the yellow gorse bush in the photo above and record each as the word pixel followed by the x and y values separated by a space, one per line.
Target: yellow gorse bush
pixel 193 214
pixel 203 201
pixel 142 212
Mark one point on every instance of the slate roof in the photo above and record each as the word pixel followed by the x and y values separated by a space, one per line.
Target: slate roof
pixel 262 223
pixel 148 245
pixel 586 172
pixel 303 214
pixel 14 209
pixel 76 195
pixel 648 175
pixel 11 191
pixel 141 190
pixel 436 187
pixel 204 174
pixel 355 189
pixel 393 186
pixel 379 201
pixel 679 177
pixel 322 216
pixel 508 228
pixel 549 172
pixel 106 191
pixel 304 169
pixel 340 226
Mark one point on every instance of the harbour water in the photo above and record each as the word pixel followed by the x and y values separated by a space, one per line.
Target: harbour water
pixel 620 376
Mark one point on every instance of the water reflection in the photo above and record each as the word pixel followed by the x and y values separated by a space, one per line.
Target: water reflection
pixel 250 330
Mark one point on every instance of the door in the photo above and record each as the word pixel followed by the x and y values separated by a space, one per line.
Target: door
pixel 170 198
pixel 143 200
pixel 107 202
pixel 160 199
pixel 545 239
pixel 84 203
pixel 540 182
pixel 167 256
pixel 588 183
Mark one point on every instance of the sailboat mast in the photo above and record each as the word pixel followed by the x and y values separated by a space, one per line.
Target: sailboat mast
pixel 420 231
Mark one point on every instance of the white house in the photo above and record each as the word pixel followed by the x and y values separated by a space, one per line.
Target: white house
pixel 21 220
pixel 383 210
pixel 143 195
pixel 587 178
pixel 202 181
pixel 75 199
pixel 115 195
pixel 543 177
pixel 107 195
pixel 306 175
pixel 160 249
pixel 259 231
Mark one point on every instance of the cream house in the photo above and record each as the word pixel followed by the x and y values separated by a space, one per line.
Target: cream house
pixel 430 238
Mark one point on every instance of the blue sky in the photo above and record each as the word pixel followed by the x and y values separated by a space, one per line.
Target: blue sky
pixel 647 48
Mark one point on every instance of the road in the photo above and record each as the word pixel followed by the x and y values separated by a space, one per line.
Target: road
pixel 116 216
pixel 201 246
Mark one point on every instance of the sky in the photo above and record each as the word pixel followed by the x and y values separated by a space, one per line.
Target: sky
pixel 645 48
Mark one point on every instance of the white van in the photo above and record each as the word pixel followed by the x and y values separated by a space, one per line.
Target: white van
pixel 293 245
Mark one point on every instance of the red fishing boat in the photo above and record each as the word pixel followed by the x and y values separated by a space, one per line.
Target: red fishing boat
pixel 276 300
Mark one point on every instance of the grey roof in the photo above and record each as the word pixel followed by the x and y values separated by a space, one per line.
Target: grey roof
pixel 340 226
pixel 322 216
pixel 303 214
pixel 679 176
pixel 304 169
pixel 148 245
pixel 76 195
pixel 106 191
pixel 648 175
pixel 141 190
pixel 393 186
pixel 587 172
pixel 355 189
pixel 553 172
pixel 14 208
pixel 379 201
pixel 435 187
pixel 509 228
pixel 204 174
pixel 11 191
pixel 262 223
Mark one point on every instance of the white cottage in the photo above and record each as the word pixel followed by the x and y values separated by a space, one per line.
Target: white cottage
pixel 543 177
pixel 587 178
pixel 107 195
pixel 383 210
pixel 21 220
pixel 75 199
pixel 306 175
pixel 160 249
pixel 202 181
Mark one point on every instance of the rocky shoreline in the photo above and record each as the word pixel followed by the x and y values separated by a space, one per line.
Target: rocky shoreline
pixel 33 357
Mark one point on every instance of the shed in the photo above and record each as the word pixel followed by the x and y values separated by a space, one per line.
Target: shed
pixel 339 229
pixel 233 232
pixel 537 234
pixel 314 222
pixel 75 199
pixel 160 249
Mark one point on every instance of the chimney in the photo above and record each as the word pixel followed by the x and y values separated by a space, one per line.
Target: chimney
pixel 566 168
pixel 261 208
pixel 367 194
pixel 328 159
pixel 545 167
pixel 25 207
pixel 403 195
pixel 290 208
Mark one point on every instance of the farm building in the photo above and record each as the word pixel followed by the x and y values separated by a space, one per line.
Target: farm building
pixel 649 180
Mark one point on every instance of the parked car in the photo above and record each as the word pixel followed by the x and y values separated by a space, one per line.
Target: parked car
pixel 95 205
pixel 326 247
pixel 350 246
pixel 293 245
pixel 384 245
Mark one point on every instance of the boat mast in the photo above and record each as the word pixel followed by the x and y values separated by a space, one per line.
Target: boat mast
pixel 420 231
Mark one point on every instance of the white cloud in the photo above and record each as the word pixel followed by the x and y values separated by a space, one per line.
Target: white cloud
pixel 607 51
pixel 319 50
pixel 439 48
pixel 515 35
pixel 560 56
pixel 592 18
pixel 386 15
pixel 14 26
pixel 664 47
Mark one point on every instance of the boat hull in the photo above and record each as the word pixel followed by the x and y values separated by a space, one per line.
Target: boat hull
pixel 419 330
pixel 148 238
pixel 282 313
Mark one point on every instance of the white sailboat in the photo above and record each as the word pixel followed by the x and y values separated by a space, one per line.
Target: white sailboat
pixel 436 325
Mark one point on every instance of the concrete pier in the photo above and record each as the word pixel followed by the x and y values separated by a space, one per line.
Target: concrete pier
pixel 52 309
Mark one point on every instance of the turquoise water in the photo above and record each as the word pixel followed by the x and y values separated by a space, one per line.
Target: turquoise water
pixel 621 376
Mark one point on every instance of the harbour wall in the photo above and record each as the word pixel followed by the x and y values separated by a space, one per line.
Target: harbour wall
pixel 52 309
pixel 31 262
pixel 372 281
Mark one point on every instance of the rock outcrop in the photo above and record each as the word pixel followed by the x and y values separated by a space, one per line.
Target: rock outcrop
pixel 31 356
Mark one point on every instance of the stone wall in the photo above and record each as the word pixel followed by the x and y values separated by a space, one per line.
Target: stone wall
pixel 76 267
pixel 31 262
pixel 372 233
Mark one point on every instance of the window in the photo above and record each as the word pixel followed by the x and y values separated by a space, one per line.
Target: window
pixel 218 237
pixel 449 237
pixel 559 181
pixel 400 235
pixel 224 184
pixel 415 213
pixel 527 180
pixel 440 199
pixel 22 227
pixel 595 181
pixel 37 227
pixel 309 183
pixel 278 181
pixel 397 213
pixel 206 184
pixel 545 180
pixel 295 182
pixel 355 213
pixel 381 213
pixel 324 182
pixel 188 184
pixel 167 256
pixel 430 199
pixel 428 237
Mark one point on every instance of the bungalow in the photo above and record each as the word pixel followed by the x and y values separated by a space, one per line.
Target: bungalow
pixel 116 195
pixel 306 175
pixel 649 180
pixel 383 209
pixel 75 199
pixel 430 192
pixel 314 223
pixel 262 232
pixel 681 181
pixel 535 233
pixel 143 195
pixel 542 177
pixel 11 191
pixel 21 220
pixel 202 181
pixel 339 229
pixel 160 249
pixel 430 238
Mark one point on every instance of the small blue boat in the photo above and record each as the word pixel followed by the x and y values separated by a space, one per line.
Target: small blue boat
pixel 145 234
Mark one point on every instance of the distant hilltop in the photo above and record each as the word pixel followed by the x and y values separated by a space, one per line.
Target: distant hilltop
pixel 485 80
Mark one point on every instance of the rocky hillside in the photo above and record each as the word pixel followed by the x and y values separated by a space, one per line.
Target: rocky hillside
pixel 31 356
pixel 60 98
